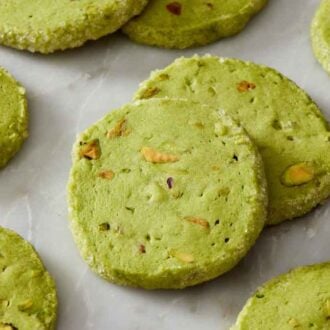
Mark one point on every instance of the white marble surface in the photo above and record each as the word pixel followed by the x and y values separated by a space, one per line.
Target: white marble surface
pixel 69 91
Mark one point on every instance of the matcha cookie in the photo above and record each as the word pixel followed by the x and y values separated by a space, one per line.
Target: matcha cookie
pixel 299 299
pixel 187 23
pixel 165 194
pixel 27 292
pixel 46 26
pixel 287 126
pixel 13 117
pixel 321 35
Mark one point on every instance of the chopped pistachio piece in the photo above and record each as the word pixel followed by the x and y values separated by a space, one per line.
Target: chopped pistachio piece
pixel 298 174
pixel 153 156
pixel 198 221
pixel 90 150
pixel 245 86
pixel 184 257
pixel 25 305
pixel 150 92
pixel 108 175
pixel 120 129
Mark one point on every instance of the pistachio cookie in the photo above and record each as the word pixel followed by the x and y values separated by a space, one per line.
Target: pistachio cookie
pixel 13 117
pixel 47 26
pixel 299 299
pixel 321 34
pixel 165 194
pixel 292 135
pixel 27 292
pixel 187 23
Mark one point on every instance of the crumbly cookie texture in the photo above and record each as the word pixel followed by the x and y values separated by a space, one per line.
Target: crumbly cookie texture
pixel 46 26
pixel 187 23
pixel 299 299
pixel 169 194
pixel 27 292
pixel 292 135
pixel 13 117
pixel 320 33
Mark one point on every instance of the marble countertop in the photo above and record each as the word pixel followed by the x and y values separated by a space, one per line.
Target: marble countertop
pixel 69 91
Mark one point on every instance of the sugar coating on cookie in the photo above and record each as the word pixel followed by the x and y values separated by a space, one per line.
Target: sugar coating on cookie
pixel 13 117
pixel 187 23
pixel 46 26
pixel 27 291
pixel 291 133
pixel 165 194
pixel 320 33
pixel 299 299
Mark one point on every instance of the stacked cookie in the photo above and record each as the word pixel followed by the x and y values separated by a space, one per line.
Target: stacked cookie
pixel 170 191
pixel 281 119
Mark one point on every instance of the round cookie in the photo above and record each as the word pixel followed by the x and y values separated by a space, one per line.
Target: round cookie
pixel 27 291
pixel 292 135
pixel 187 23
pixel 13 117
pixel 299 299
pixel 47 26
pixel 320 33
pixel 162 195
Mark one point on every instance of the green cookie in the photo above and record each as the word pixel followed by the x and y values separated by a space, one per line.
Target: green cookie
pixel 298 300
pixel 48 25
pixel 13 117
pixel 27 292
pixel 165 194
pixel 287 126
pixel 188 23
pixel 321 35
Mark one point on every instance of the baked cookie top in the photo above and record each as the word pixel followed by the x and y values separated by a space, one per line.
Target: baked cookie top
pixel 187 23
pixel 299 299
pixel 13 117
pixel 46 25
pixel 165 194
pixel 27 291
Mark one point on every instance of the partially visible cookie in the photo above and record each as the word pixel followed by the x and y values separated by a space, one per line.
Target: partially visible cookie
pixel 321 34
pixel 27 292
pixel 47 26
pixel 165 194
pixel 187 23
pixel 13 117
pixel 292 135
pixel 299 299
